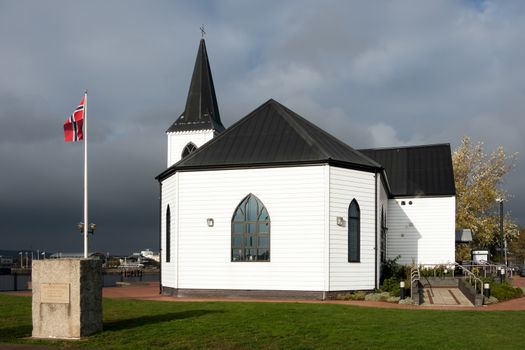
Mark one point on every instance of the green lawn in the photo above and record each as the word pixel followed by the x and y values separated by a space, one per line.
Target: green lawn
pixel 218 325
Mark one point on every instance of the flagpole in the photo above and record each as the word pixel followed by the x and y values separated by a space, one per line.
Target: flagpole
pixel 85 135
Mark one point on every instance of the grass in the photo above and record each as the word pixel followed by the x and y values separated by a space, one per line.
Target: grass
pixel 130 324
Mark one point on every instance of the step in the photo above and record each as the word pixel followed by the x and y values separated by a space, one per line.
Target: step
pixel 444 296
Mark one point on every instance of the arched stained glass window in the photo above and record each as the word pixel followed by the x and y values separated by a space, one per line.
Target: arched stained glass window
pixel 250 239
pixel 168 235
pixel 188 149
pixel 354 232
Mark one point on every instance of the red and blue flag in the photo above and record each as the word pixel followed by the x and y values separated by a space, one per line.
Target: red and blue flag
pixel 73 127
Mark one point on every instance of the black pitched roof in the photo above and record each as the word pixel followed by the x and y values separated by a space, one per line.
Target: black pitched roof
pixel 417 170
pixel 273 135
pixel 202 111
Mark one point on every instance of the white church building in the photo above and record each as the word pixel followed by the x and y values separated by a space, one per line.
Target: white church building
pixel 274 206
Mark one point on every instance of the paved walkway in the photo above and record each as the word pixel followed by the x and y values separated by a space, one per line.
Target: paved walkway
pixel 150 291
pixel 445 297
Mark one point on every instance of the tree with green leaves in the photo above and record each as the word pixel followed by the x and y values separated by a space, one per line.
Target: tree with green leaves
pixel 479 178
pixel 517 248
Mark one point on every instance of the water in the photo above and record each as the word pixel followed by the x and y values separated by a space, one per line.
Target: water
pixel 111 280
pixel 7 282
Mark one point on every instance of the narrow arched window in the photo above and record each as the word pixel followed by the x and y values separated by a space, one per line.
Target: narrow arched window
pixel 168 235
pixel 354 232
pixel 250 239
pixel 188 149
pixel 383 235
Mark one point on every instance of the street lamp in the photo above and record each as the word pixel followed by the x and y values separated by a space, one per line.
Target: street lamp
pixel 502 241
pixel 91 227
pixel 21 259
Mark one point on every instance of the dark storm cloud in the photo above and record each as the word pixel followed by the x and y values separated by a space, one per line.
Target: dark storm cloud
pixel 372 73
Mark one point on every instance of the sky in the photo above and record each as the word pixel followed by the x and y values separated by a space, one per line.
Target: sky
pixel 372 73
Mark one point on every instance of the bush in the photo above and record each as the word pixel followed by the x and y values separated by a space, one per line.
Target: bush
pixel 490 301
pixel 391 285
pixel 437 271
pixel 393 300
pixel 377 296
pixel 407 301
pixel 359 295
pixel 390 268
pixel 504 291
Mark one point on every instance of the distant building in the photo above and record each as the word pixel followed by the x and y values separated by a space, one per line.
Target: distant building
pixel 6 261
pixel 276 206
pixel 150 255
pixel 74 255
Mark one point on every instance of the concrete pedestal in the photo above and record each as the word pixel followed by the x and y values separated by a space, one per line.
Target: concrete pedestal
pixel 67 298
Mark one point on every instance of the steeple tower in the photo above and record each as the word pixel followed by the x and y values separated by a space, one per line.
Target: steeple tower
pixel 201 120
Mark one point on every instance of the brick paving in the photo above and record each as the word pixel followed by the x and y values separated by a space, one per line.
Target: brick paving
pixel 150 291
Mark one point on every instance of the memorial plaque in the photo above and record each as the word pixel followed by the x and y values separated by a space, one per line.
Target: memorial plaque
pixel 54 293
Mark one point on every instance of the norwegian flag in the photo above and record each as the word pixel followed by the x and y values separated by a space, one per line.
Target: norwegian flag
pixel 73 125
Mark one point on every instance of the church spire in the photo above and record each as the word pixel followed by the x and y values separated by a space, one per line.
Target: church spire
pixel 202 111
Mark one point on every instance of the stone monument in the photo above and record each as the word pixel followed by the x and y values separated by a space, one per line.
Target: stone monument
pixel 67 298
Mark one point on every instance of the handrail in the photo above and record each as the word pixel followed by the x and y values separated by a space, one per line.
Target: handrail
pixel 471 276
pixel 415 278
pixel 493 269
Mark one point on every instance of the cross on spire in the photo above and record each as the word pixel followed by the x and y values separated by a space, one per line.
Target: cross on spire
pixel 203 32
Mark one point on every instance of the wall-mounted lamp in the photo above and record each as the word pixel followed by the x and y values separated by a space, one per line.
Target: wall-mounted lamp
pixel 210 222
pixel 340 221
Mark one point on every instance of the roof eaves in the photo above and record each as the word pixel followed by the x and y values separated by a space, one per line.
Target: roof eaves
pixel 340 164
pixel 404 147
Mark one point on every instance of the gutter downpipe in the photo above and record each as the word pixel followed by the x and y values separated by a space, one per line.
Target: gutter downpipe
pixel 160 236
pixel 375 251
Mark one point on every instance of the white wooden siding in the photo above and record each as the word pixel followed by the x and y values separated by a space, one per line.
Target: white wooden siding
pixel 422 232
pixel 295 199
pixel 178 140
pixel 345 185
pixel 169 270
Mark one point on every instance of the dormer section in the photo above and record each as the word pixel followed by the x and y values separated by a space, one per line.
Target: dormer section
pixel 201 120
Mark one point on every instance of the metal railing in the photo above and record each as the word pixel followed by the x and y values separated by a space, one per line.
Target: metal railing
pixel 415 278
pixel 478 283
pixel 448 270
pixel 489 269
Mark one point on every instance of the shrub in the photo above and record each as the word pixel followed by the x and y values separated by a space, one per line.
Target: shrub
pixel 391 285
pixel 377 296
pixel 359 295
pixel 504 291
pixel 406 301
pixel 490 301
pixel 390 268
pixel 393 300
pixel 437 271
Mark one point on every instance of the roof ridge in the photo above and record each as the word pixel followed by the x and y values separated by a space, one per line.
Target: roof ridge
pixel 273 134
pixel 406 147
pixel 327 134
pixel 288 117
